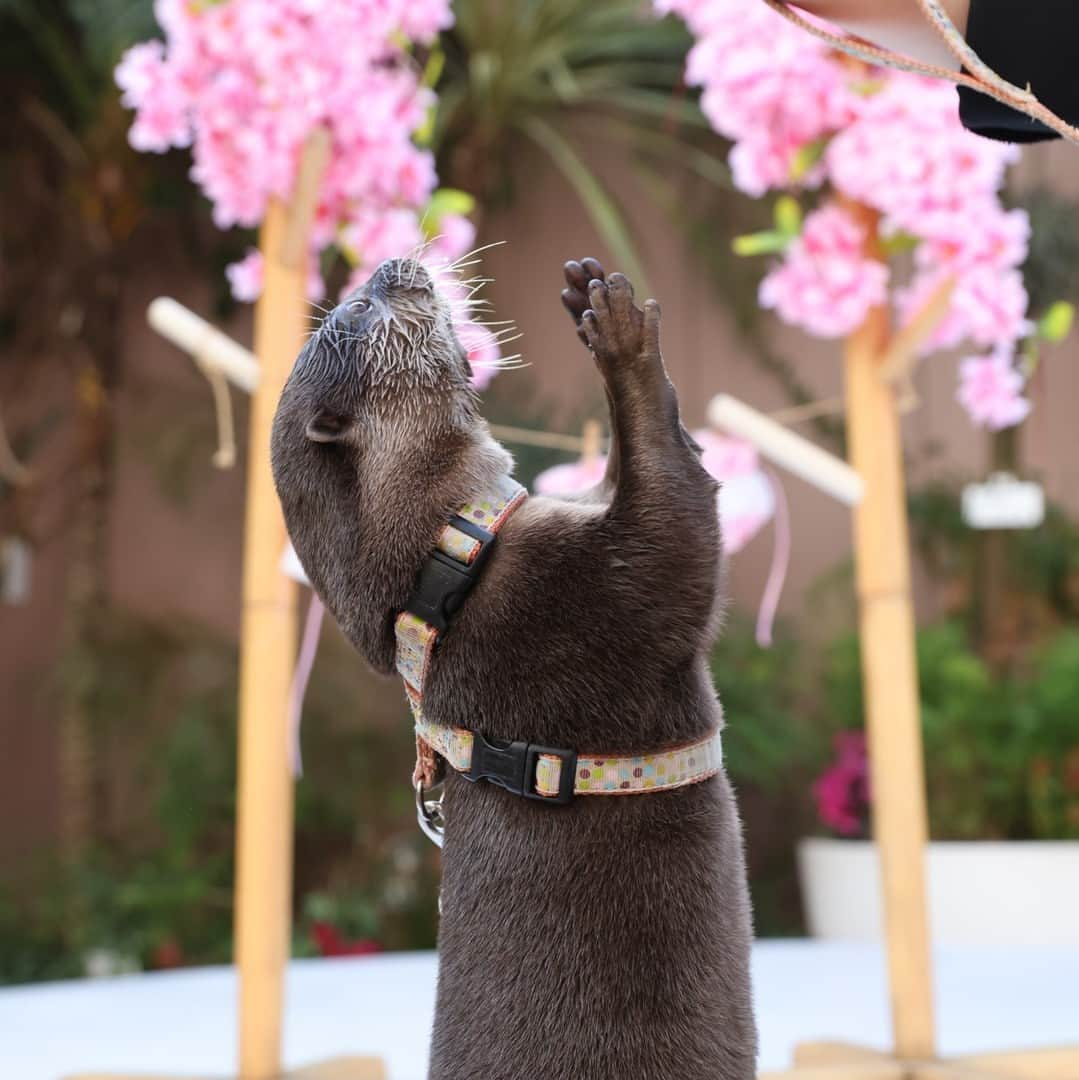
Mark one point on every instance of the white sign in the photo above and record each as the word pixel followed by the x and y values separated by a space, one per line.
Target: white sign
pixel 1003 502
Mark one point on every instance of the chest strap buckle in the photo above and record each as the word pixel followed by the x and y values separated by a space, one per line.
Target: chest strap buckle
pixel 513 766
pixel 444 582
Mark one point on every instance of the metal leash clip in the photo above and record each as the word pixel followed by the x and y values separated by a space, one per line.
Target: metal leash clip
pixel 429 812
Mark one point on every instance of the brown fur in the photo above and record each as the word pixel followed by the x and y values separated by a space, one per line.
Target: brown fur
pixel 605 939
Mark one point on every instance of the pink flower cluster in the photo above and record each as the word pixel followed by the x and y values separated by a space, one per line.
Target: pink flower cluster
pixel 991 390
pixel 763 88
pixel 842 790
pixel 826 284
pixel 243 83
pixel 802 115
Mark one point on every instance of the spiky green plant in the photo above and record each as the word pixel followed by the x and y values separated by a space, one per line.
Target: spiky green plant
pixel 562 74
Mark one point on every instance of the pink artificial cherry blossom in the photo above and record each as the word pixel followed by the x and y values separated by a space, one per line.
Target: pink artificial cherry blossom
pixel 243 83
pixel 245 276
pixel 991 390
pixel 825 284
pixel 801 115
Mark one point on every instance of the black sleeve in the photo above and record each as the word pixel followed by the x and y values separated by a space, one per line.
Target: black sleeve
pixel 1028 42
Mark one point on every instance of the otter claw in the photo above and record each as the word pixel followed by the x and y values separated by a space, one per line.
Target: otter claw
pixel 575 298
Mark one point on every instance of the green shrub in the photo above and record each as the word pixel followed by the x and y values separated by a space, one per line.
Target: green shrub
pixel 1001 751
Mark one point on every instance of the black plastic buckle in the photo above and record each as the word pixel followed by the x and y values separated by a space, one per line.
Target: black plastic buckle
pixel 444 582
pixel 513 766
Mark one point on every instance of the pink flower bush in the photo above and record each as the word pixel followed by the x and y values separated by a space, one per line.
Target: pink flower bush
pixel 842 790
pixel 906 154
pixel 826 284
pixel 991 390
pixel 244 83
pixel 762 88
pixel 801 115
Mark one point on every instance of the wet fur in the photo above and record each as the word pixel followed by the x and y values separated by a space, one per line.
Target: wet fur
pixel 609 938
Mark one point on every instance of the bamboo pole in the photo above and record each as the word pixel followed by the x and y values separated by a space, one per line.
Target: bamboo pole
pixel 268 643
pixel 889 674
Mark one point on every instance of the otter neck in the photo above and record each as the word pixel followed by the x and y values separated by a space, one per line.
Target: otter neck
pixel 409 499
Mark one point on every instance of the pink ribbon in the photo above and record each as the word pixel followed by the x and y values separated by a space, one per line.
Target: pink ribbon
pixel 777 572
pixel 300 678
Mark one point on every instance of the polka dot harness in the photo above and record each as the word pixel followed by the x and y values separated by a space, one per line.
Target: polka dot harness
pixel 545 773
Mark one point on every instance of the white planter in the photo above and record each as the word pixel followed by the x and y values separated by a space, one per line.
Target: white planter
pixel 985 892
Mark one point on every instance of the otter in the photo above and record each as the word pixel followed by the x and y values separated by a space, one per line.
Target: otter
pixel 608 937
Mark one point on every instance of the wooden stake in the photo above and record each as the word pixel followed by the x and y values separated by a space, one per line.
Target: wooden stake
pixel 268 650
pixel 889 675
pixel 591 441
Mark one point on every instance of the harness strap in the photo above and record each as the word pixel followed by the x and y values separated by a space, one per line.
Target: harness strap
pixel 592 774
pixel 461 548
pixel 537 772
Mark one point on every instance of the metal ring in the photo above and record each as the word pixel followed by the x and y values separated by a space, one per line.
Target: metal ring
pixel 429 814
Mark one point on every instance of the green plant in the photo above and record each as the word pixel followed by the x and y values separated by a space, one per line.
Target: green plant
pixel 1001 751
pixel 768 737
pixel 154 886
pixel 769 751
pixel 1036 570
pixel 1047 719
pixel 557 74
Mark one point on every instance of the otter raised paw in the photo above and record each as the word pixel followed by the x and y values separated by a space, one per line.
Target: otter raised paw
pixel 582 935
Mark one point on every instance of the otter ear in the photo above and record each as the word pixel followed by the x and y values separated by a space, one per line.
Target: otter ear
pixel 327 427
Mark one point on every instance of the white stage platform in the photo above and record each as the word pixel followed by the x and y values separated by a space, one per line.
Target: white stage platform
pixel 182 1023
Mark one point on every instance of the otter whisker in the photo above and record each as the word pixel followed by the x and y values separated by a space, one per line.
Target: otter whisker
pixel 468 301
pixel 476 251
pixel 417 256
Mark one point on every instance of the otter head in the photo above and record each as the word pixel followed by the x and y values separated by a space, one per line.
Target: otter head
pixel 377 440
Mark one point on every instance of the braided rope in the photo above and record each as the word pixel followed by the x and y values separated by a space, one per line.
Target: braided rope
pixel 978 75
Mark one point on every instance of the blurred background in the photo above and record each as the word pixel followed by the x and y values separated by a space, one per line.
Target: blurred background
pixel 121 542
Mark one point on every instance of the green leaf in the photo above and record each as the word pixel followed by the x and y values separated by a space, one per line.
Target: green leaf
pixel 899 243
pixel 425 133
pixel 432 71
pixel 451 201
pixel 445 201
pixel 770 242
pixel 788 216
pixel 597 200
pixel 806 157
pixel 1056 323
pixel 867 87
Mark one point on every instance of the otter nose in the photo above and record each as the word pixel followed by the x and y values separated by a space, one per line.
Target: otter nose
pixel 404 273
